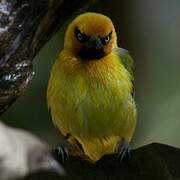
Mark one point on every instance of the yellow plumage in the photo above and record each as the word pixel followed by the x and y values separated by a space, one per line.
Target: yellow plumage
pixel 91 100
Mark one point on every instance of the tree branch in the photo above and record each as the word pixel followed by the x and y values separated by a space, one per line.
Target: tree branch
pixel 154 161
pixel 22 153
pixel 25 26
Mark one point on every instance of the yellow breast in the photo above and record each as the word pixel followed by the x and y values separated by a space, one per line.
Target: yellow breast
pixel 92 100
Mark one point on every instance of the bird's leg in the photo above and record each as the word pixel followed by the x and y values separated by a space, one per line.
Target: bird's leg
pixel 124 150
pixel 61 151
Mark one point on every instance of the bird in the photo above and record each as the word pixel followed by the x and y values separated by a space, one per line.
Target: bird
pixel 90 92
pixel 22 154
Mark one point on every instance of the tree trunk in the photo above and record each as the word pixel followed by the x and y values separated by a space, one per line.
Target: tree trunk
pixel 25 26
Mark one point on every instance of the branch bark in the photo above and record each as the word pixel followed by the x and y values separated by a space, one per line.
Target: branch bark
pixel 25 26
pixel 154 161
pixel 22 153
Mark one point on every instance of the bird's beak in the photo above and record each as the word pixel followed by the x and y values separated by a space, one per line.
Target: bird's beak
pixel 94 42
pixel 92 49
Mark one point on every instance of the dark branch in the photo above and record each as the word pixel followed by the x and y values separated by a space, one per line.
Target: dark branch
pixel 154 161
pixel 25 26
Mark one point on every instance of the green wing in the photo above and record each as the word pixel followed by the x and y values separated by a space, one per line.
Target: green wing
pixel 128 63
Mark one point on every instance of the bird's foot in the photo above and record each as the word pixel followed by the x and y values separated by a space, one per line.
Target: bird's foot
pixel 124 150
pixel 61 152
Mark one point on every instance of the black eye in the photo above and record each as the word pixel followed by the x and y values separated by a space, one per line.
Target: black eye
pixel 82 38
pixel 106 39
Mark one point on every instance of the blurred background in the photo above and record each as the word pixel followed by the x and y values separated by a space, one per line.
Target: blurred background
pixel 150 30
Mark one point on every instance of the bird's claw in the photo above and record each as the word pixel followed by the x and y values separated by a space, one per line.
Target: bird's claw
pixel 124 150
pixel 61 152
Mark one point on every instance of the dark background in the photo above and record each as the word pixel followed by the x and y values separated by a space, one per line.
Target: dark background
pixel 150 30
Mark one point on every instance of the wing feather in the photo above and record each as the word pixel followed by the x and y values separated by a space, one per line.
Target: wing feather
pixel 128 63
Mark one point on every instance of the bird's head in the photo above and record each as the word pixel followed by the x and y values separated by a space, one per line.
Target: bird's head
pixel 91 36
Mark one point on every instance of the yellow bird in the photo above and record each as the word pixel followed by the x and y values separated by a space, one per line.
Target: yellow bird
pixel 90 91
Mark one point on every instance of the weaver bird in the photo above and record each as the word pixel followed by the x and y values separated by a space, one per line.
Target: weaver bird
pixel 90 91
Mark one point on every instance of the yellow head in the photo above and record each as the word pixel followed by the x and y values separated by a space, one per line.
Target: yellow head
pixel 91 36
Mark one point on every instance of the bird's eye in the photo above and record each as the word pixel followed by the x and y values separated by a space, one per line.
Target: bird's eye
pixel 82 38
pixel 106 39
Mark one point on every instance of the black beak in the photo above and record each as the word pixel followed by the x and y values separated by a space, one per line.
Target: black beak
pixel 92 49
pixel 94 42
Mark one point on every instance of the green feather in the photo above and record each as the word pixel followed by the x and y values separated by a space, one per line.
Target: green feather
pixel 127 61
